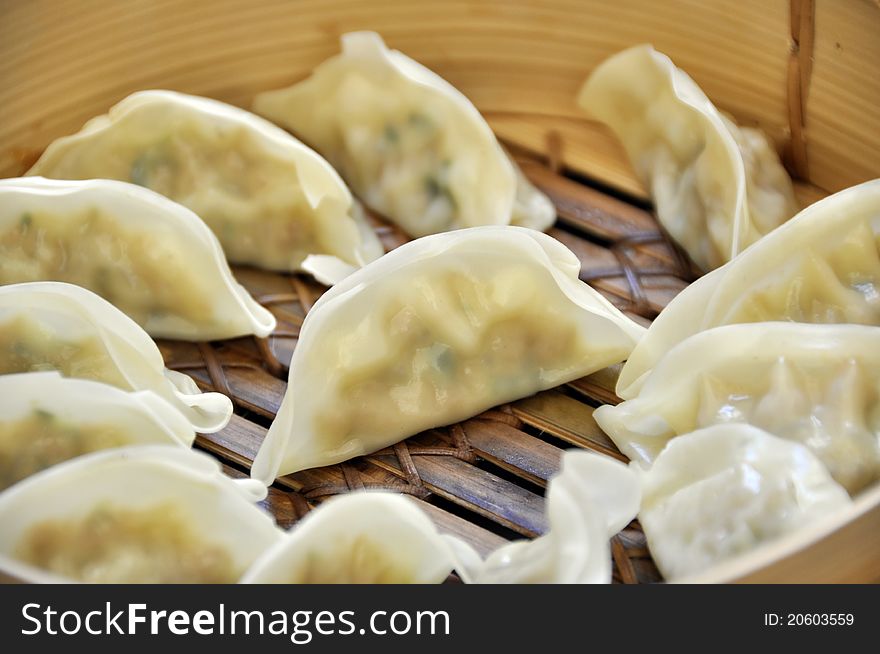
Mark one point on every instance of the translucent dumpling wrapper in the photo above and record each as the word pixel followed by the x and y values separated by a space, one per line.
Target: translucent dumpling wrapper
pixel 437 331
pixel 588 502
pixel 822 266
pixel 717 187
pixel 141 514
pixel 408 143
pixel 46 419
pixel 58 326
pixel 151 257
pixel 270 200
pixel 818 385
pixel 363 537
pixel 721 491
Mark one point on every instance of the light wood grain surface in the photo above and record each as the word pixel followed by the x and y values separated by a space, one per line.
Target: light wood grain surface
pixel 64 61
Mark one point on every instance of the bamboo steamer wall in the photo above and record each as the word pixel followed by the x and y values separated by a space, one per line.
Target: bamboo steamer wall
pixel 521 62
pixel 804 70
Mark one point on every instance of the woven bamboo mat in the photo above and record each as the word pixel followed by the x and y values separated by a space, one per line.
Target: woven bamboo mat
pixel 482 479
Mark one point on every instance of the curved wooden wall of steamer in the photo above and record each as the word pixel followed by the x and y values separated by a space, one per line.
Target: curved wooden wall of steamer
pixel 804 70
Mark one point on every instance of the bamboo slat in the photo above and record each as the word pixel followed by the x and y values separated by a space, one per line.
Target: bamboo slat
pixel 511 449
pixel 565 418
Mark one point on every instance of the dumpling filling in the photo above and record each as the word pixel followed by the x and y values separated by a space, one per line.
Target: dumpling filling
pixel 139 272
pixel 837 285
pixel 400 169
pixel 42 439
pixel 28 346
pixel 219 177
pixel 487 345
pixel 112 544
pixel 357 561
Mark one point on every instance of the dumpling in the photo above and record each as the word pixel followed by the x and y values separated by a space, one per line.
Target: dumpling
pixel 434 332
pixel 140 514
pixel 588 502
pixel 823 266
pixel 818 385
pixel 410 145
pixel 723 490
pixel 359 538
pixel 46 419
pixel 717 187
pixel 270 200
pixel 152 258
pixel 57 326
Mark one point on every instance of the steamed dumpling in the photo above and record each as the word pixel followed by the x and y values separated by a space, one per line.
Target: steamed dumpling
pixel 435 332
pixel 823 266
pixel 140 514
pixel 46 419
pixel 723 490
pixel 588 502
pixel 818 385
pixel 358 538
pixel 152 258
pixel 717 187
pixel 409 144
pixel 57 326
pixel 269 199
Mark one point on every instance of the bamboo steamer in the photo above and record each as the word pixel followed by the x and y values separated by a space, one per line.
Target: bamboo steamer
pixel 803 70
